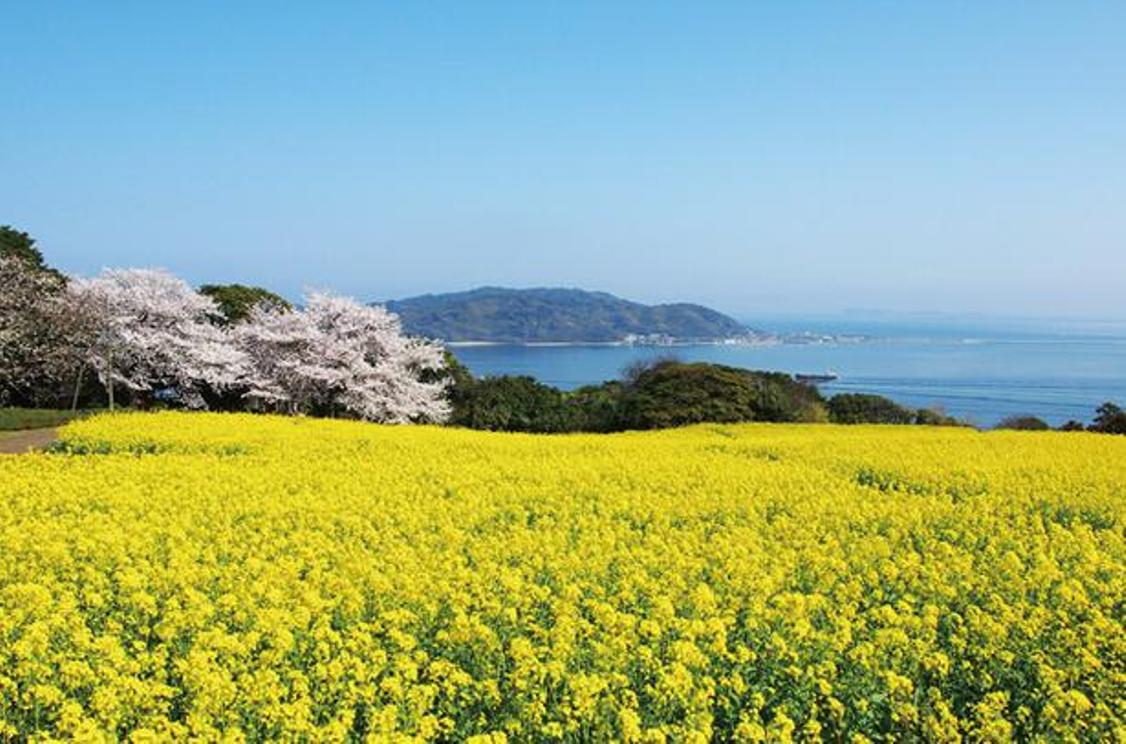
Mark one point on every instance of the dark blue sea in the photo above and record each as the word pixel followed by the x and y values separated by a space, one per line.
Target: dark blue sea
pixel 979 370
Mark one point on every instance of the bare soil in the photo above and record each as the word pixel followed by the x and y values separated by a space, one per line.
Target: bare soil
pixel 21 442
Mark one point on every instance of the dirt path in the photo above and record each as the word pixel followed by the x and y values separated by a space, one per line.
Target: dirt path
pixel 19 442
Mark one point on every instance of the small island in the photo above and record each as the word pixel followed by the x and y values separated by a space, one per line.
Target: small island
pixel 566 316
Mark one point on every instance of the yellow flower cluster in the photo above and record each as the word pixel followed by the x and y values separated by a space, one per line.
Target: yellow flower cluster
pixel 247 578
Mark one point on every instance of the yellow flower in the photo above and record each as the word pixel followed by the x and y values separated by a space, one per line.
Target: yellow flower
pixel 238 577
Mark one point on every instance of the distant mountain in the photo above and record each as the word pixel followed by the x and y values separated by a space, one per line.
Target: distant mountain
pixel 518 316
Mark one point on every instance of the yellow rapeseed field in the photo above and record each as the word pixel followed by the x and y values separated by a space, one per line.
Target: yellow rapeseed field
pixel 245 577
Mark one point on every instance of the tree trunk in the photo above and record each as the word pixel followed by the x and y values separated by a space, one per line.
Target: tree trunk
pixel 109 378
pixel 77 388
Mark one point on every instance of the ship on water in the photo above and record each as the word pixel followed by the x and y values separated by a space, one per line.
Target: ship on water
pixel 816 379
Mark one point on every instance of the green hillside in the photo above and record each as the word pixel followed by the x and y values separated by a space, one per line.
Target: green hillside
pixel 562 315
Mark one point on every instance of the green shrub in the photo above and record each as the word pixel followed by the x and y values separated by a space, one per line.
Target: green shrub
pixel 936 417
pixel 671 393
pixel 1023 423
pixel 596 407
pixel 510 403
pixel 862 408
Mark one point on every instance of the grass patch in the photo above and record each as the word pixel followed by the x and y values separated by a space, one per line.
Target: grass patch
pixel 18 419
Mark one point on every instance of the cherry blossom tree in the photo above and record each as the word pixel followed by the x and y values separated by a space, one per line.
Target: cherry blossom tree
pixel 41 334
pixel 147 331
pixel 337 354
pixel 153 335
pixel 284 350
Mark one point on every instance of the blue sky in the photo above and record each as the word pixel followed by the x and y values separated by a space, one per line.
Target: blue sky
pixel 783 157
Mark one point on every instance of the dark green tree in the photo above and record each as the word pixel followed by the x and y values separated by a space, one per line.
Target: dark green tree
pixel 459 381
pixel 18 244
pixel 235 301
pixel 1109 419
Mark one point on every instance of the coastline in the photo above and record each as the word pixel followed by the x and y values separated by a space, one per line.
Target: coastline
pixel 771 341
pixel 758 342
pixel 1057 378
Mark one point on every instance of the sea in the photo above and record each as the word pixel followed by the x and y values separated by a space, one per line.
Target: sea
pixel 978 369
